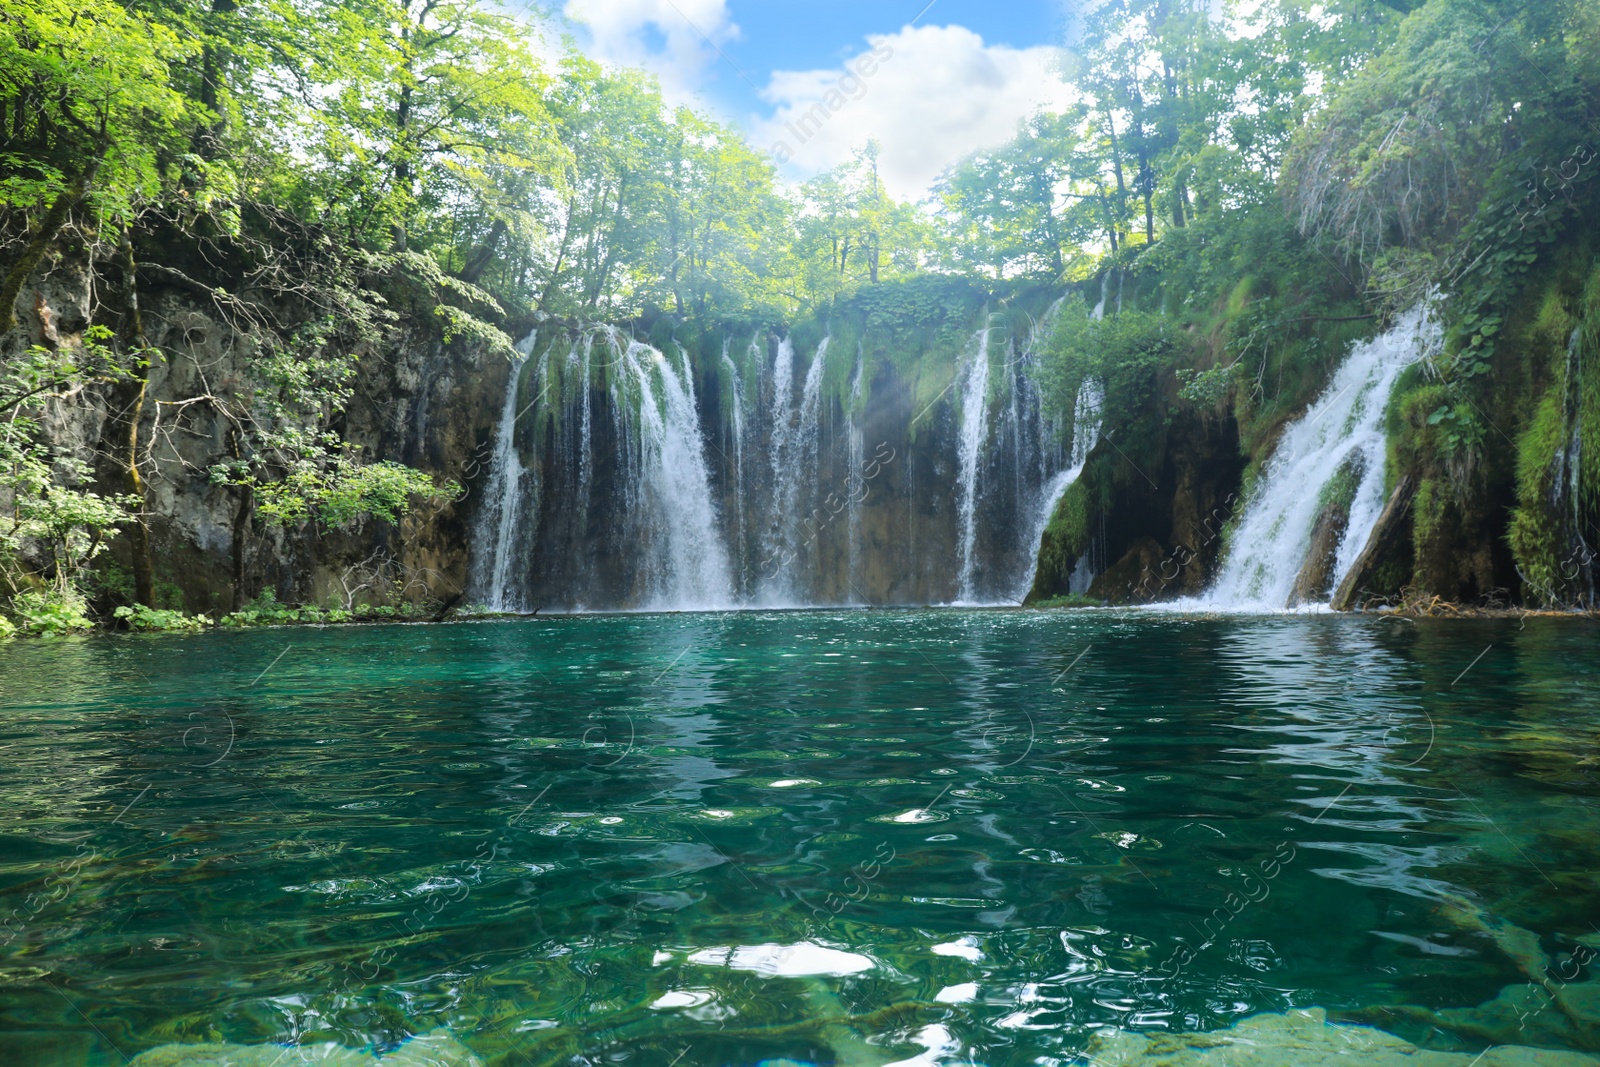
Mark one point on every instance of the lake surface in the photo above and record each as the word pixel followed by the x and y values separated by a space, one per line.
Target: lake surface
pixel 810 837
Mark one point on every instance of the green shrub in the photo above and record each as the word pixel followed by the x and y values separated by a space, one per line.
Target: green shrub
pixel 6 628
pixel 264 610
pixel 51 613
pixel 159 620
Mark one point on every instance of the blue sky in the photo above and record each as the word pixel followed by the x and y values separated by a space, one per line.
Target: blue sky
pixel 959 79
pixel 806 34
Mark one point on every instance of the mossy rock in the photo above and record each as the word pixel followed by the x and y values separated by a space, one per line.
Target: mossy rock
pixel 1304 1037
pixel 435 1049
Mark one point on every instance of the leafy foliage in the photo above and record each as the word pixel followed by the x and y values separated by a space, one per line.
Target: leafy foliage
pixel 158 620
pixel 51 613
pixel 52 522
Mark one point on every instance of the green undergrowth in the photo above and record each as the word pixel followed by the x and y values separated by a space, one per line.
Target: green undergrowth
pixel 49 613
pixel 265 610
pixel 1071 600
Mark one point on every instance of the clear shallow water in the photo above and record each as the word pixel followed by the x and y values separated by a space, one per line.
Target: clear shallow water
pixel 821 837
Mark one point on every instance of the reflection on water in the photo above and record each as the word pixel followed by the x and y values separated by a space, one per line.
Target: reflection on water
pixel 872 837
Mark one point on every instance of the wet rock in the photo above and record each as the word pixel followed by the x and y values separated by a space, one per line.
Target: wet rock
pixel 1304 1037
pixel 436 1049
pixel 1312 584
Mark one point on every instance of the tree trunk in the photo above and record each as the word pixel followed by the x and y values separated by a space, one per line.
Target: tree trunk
pixel 1116 166
pixel 213 57
pixel 483 255
pixel 127 409
pixel 241 529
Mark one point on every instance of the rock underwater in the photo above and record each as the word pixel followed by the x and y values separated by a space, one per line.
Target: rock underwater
pixel 1304 1037
pixel 435 1049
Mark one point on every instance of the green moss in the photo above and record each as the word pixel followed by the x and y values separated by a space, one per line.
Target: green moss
pixel 1341 488
pixel 1069 526
pixel 1071 600
pixel 1414 440
pixel 1589 392
pixel 1535 532
pixel 1427 520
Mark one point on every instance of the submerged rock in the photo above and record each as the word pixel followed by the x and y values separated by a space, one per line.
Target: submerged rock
pixel 435 1049
pixel 1304 1037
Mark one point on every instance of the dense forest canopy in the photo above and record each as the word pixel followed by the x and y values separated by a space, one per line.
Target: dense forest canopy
pixel 1252 179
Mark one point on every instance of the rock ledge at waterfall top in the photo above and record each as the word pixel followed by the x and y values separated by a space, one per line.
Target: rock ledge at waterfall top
pixel 1304 1037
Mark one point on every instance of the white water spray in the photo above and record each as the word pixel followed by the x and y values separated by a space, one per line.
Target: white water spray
pixel 497 523
pixel 857 457
pixel 1086 418
pixel 1343 427
pixel 675 518
pixel 974 402
pixel 735 386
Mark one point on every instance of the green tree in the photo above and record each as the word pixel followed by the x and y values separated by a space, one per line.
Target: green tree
pixel 89 125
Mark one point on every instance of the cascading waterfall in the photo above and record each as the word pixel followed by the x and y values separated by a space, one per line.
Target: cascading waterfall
pixel 1087 410
pixel 1576 573
pixel 1341 431
pixel 794 453
pixel 974 423
pixel 854 494
pixel 775 542
pixel 497 522
pixel 674 519
pixel 736 389
pixel 636 496
pixel 807 440
pixel 581 361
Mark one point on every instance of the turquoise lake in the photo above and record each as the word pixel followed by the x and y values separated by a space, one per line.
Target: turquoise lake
pixel 797 837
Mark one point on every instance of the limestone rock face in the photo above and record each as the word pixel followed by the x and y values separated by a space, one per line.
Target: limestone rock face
pixel 418 400
pixel 1304 1038
pixel 1153 516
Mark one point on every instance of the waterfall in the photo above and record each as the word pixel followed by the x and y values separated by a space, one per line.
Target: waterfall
pixel 1086 417
pixel 775 542
pixel 495 534
pixel 856 493
pixel 974 423
pixel 805 463
pixel 735 387
pixel 1576 572
pixel 673 517
pixel 580 359
pixel 793 456
pixel 1341 430
pixel 633 497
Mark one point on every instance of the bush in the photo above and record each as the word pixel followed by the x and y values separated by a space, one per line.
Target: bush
pixel 264 610
pixel 6 629
pixel 159 620
pixel 51 613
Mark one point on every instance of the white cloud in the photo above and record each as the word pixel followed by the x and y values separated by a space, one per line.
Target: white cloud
pixel 677 40
pixel 929 95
